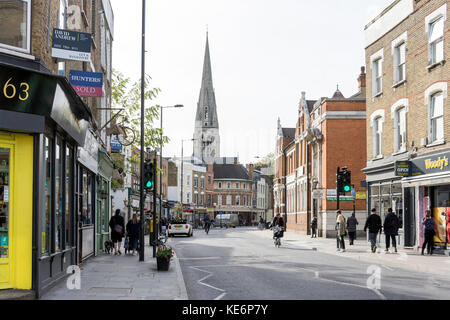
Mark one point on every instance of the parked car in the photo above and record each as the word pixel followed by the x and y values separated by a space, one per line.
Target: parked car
pixel 180 227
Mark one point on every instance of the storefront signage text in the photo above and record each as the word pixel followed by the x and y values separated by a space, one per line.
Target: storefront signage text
pixel 439 163
pixel 417 167
pixel 87 84
pixel 71 45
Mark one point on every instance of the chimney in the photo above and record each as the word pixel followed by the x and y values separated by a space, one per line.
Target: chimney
pixel 250 171
pixel 362 80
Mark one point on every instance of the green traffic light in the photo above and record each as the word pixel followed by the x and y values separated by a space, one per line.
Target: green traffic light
pixel 347 188
pixel 149 184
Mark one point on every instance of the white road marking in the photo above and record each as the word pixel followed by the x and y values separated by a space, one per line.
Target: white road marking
pixel 203 258
pixel 210 274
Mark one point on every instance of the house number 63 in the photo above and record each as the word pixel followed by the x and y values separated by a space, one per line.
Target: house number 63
pixel 9 90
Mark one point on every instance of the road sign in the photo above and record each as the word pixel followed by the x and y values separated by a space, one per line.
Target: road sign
pixel 341 198
pixel 318 194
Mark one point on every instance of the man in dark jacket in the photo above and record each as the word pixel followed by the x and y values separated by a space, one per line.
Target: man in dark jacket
pixel 373 223
pixel 117 225
pixel 390 226
pixel 351 227
pixel 314 228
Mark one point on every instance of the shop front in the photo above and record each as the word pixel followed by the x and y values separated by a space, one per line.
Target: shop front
pixel 384 191
pixel 427 187
pixel 106 168
pixel 42 122
pixel 87 196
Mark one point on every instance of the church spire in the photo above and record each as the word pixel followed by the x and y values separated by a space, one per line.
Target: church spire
pixel 206 134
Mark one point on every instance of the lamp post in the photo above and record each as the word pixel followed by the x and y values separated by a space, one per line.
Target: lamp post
pixel 141 196
pixel 160 164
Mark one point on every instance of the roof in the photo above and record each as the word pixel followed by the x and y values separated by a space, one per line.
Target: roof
pixel 230 171
pixel 289 132
pixel 310 104
pixel 338 94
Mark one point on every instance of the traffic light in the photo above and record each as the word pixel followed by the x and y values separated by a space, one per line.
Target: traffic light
pixel 149 175
pixel 347 181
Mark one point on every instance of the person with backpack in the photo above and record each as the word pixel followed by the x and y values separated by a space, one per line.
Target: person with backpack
pixel 390 226
pixel 352 222
pixel 117 225
pixel 373 223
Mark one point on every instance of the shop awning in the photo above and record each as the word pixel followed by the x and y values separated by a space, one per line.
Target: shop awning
pixel 40 94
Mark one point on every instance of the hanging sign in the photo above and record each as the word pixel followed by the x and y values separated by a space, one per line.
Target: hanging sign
pixel 87 84
pixel 71 45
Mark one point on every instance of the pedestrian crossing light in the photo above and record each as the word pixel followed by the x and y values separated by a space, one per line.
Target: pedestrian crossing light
pixel 149 175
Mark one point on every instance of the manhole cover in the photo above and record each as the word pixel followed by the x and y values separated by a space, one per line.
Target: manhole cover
pixel 112 291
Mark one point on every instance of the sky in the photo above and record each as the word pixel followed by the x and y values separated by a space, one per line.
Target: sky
pixel 264 53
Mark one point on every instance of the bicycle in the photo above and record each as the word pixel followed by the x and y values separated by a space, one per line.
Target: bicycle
pixel 277 235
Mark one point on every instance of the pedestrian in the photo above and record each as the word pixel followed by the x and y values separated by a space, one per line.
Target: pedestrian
pixel 314 227
pixel 117 225
pixel 428 222
pixel 133 232
pixel 373 223
pixel 352 222
pixel 390 226
pixel 340 231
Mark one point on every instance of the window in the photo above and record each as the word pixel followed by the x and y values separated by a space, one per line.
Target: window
pixel 228 185
pixel 46 221
pixel 188 180
pixel 188 197
pixel 378 76
pixel 399 63
pixel 237 185
pixel 195 182
pixel 400 129
pixel 238 200
pixel 220 185
pixel 15 25
pixel 58 193
pixel 436 40
pixel 202 199
pixel 219 200
pixel 378 135
pixel 209 200
pixel 196 198
pixel 202 182
pixel 229 199
pixel 437 117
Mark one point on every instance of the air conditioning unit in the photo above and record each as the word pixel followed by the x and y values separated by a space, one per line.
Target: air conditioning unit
pixel 424 142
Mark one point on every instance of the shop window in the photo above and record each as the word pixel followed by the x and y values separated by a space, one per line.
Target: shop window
pixel 46 218
pixel 58 194
pixel 68 197
pixel 15 25
pixel 4 202
pixel 86 198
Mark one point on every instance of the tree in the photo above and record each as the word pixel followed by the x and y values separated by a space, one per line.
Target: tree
pixel 127 95
pixel 266 162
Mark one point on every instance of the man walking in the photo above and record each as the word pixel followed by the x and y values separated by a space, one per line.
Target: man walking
pixel 340 231
pixel 390 226
pixel 428 222
pixel 352 222
pixel 373 223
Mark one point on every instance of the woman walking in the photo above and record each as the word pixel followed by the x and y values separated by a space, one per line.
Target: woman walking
pixel 428 222
pixel 117 225
pixel 340 231
pixel 133 232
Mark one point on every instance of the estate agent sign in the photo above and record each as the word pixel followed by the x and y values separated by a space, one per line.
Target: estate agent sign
pixel 71 45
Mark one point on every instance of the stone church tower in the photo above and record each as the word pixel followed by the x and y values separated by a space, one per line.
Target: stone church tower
pixel 206 134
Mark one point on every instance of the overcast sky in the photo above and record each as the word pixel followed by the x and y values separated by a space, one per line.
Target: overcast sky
pixel 264 53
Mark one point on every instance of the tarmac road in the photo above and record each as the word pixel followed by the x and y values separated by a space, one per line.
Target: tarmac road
pixel 238 264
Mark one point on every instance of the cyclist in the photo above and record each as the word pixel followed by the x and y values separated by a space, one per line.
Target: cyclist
pixel 207 222
pixel 278 229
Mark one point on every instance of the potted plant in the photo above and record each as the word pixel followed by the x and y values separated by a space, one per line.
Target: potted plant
pixel 163 256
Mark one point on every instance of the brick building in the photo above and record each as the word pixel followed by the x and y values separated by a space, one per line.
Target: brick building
pixel 307 156
pixel 407 114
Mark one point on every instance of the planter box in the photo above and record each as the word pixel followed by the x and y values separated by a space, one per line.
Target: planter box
pixel 163 264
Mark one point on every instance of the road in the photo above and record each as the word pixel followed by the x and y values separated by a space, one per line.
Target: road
pixel 240 264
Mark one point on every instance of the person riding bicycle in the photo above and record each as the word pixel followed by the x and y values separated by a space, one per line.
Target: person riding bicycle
pixel 278 226
pixel 207 222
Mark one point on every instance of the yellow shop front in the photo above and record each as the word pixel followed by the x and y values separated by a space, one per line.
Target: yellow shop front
pixel 16 211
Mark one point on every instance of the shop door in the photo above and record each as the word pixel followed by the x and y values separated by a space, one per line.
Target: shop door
pixel 5 218
pixel 409 223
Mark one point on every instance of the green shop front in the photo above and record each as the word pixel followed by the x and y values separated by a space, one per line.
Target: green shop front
pixel 105 173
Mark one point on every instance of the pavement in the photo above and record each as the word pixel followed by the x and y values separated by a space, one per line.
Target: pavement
pixel 109 277
pixel 405 258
